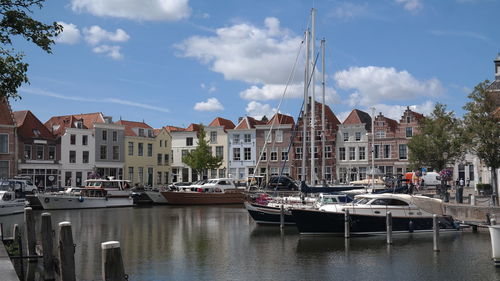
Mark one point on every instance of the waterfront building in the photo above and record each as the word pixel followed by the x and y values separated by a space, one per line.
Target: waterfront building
pixel 39 151
pixel 8 139
pixel 109 148
pixel 328 172
pixel 184 140
pixel 217 138
pixel 353 147
pixel 273 146
pixel 242 148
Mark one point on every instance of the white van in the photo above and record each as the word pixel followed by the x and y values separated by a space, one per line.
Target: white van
pixel 23 185
pixel 431 179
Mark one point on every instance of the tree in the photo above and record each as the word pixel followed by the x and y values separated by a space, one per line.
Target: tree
pixel 201 159
pixel 16 21
pixel 439 141
pixel 482 123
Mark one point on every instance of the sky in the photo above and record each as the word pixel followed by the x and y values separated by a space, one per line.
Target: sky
pixel 176 62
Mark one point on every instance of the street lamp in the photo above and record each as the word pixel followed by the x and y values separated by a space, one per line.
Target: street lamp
pixel 443 182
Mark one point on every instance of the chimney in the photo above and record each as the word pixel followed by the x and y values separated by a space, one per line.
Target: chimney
pixel 497 67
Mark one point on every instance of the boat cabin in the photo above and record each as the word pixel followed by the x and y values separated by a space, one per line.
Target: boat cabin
pixel 109 184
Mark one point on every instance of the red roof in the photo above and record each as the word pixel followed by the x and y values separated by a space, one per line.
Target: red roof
pixel 129 125
pixel 281 119
pixel 68 121
pixel 248 123
pixel 28 126
pixel 221 122
pixel 359 117
pixel 174 129
pixel 6 117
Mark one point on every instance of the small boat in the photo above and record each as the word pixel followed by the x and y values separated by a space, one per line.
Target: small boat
pixel 82 198
pixel 9 204
pixel 368 215
pixel 215 191
pixel 267 210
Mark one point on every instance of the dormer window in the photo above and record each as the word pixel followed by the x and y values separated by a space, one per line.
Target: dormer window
pixel 79 124
pixel 150 133
pixel 141 132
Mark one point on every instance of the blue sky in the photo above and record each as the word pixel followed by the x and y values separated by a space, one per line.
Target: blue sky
pixel 176 62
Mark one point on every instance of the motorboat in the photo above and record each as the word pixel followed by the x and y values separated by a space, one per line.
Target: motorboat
pixel 367 213
pixel 82 198
pixel 214 191
pixel 114 187
pixel 9 204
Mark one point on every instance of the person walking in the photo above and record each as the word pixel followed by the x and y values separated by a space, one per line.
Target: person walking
pixel 460 191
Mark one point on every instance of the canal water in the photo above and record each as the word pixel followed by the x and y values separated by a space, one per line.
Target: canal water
pixel 223 243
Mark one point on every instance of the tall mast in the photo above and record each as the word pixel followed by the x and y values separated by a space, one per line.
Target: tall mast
pixel 323 137
pixel 373 147
pixel 313 97
pixel 304 113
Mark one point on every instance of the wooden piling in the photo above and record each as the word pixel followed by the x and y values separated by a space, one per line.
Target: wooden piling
pixel 435 228
pixel 30 232
pixel 347 224
pixel 112 262
pixel 282 216
pixel 493 219
pixel 15 232
pixel 47 247
pixel 389 227
pixel 66 252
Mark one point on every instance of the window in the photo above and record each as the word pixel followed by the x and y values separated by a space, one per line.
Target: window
pixel 161 143
pixel 141 132
pixel 104 135
pixel 408 119
pixel 104 152
pixel 130 148
pixel 79 124
pixel 247 138
pixel 141 174
pixel 388 170
pixel 219 152
pixel 279 136
pixel 85 140
pixel 72 156
pixel 85 157
pixel 274 171
pixel 286 171
pixel 263 155
pixel 387 151
pixel 115 135
pixel 52 152
pixel 166 159
pixel 213 137
pixel 140 149
pixel 247 153
pixel 4 143
pixel 236 138
pixel 274 154
pixel 39 151
pixel 268 136
pixel 346 136
pixel 72 139
pixel 328 173
pixel 4 169
pixel 341 153
pixel 236 154
pixel 409 132
pixel 27 151
pixel 380 134
pixel 362 153
pixel 376 150
pixel 150 133
pixel 362 173
pixel 471 173
pixel 403 151
pixel 352 153
pixel 328 151
pixel 150 150
pixel 166 178
pixel 158 177
pixel 358 136
pixel 159 158
pixel 116 152
pixel 284 155
pixel 184 153
pixel 189 141
pixel 298 153
pixel 131 174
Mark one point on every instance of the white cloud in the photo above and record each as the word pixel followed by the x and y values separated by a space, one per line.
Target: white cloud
pixel 411 5
pixel 258 110
pixel 347 10
pixel 396 111
pixel 212 104
pixel 275 91
pixel 95 35
pixel 70 35
pixel 460 33
pixel 149 10
pixel 210 88
pixel 374 84
pixel 110 51
pixel 247 53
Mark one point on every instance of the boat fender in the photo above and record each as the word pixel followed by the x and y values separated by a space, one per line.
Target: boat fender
pixel 80 199
pixel 410 227
pixel 46 200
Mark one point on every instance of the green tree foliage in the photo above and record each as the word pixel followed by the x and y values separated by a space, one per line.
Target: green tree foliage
pixel 15 20
pixel 201 159
pixel 439 141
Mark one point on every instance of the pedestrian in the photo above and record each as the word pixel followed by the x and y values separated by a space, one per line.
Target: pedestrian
pixel 460 191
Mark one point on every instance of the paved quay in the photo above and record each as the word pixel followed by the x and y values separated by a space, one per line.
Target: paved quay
pixel 7 271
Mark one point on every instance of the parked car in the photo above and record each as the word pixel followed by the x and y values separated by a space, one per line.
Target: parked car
pixel 20 185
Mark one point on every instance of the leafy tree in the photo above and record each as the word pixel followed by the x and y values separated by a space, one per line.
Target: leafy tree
pixel 482 123
pixel 201 159
pixel 438 142
pixel 15 20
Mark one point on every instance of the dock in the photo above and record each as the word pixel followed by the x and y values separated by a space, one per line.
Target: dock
pixel 6 268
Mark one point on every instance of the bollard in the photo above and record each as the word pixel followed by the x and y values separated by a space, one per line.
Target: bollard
pixel 66 252
pixel 347 224
pixel 435 230
pixel 282 216
pixel 30 232
pixel 47 247
pixel 112 263
pixel 495 243
pixel 493 219
pixel 15 232
pixel 473 200
pixel 389 227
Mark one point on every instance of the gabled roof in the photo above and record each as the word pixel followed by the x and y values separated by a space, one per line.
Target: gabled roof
pixel 193 127
pixel 130 125
pixel 68 121
pixel 28 126
pixel 281 119
pixel 359 117
pixel 6 117
pixel 390 122
pixel 248 123
pixel 174 129
pixel 221 122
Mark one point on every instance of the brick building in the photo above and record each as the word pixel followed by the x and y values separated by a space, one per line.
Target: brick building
pixel 8 139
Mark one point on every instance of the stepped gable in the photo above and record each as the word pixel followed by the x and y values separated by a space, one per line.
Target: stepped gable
pixel 58 124
pixel 359 117
pixel 281 119
pixel 221 122
pixel 29 126
pixel 6 116
pixel 391 123
pixel 129 125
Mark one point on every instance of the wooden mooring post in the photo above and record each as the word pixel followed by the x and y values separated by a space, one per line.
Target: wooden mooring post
pixel 47 247
pixel 389 227
pixel 493 219
pixel 30 233
pixel 66 252
pixel 112 262
pixel 347 224
pixel 435 228
pixel 282 216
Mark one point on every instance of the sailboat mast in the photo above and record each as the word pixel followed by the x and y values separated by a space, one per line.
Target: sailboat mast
pixel 304 114
pixel 323 137
pixel 373 148
pixel 313 97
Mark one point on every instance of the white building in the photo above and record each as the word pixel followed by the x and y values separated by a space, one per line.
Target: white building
pixel 183 141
